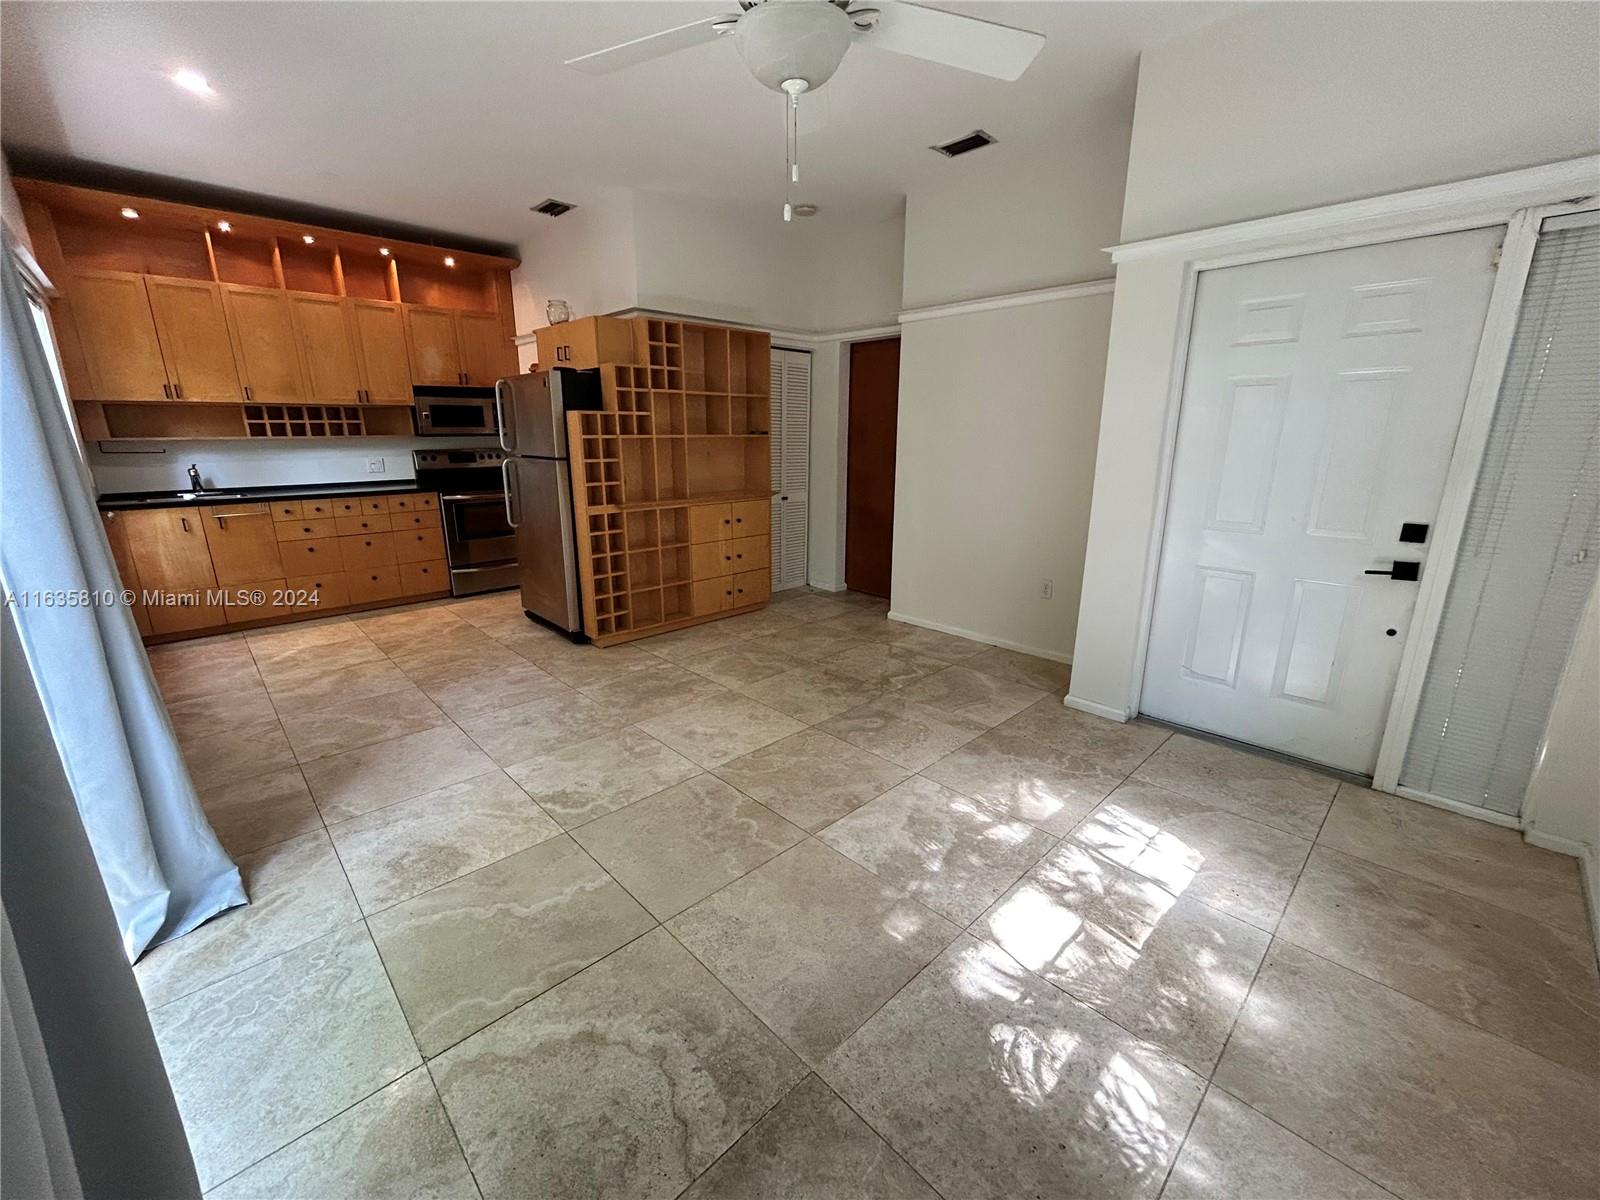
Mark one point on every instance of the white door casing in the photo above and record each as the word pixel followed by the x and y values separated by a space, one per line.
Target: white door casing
pixel 791 465
pixel 1319 413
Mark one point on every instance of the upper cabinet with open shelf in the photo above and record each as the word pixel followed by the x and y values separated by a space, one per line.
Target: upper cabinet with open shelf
pixel 272 311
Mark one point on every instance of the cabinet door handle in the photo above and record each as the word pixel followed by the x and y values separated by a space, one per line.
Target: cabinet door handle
pixel 185 521
pixel 248 395
pixel 166 390
pixel 177 390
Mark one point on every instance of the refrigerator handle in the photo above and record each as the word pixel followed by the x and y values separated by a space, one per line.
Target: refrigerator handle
pixel 505 479
pixel 506 434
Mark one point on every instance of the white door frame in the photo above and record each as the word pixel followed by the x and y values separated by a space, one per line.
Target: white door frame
pixel 1518 200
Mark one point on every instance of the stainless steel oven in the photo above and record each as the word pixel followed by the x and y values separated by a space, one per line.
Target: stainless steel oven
pixel 455 411
pixel 479 543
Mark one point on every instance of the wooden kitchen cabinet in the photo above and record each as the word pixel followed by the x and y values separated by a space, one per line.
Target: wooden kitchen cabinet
pixel 486 353
pixel 586 342
pixel 752 587
pixel 168 546
pixel 710 522
pixel 380 334
pixel 263 330
pixel 327 348
pixel 192 327
pixel 435 355
pixel 243 541
pixel 122 355
pixel 127 569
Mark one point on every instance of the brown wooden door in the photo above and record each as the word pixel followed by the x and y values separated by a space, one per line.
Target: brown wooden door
pixel 431 335
pixel 869 505
pixel 263 330
pixel 117 330
pixel 193 329
pixel 122 553
pixel 169 552
pixel 333 372
pixel 380 335
pixel 485 348
pixel 243 542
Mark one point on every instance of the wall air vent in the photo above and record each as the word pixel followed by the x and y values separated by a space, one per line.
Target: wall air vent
pixel 552 208
pixel 975 140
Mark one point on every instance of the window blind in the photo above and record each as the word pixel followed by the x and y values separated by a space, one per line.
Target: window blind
pixel 1529 547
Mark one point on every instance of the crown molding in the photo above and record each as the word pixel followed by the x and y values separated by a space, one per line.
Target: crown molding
pixel 1065 291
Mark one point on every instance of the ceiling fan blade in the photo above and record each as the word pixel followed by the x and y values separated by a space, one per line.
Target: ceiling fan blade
pixel 643 49
pixel 970 43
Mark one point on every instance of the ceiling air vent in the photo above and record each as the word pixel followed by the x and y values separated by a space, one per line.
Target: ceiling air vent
pixel 965 145
pixel 552 208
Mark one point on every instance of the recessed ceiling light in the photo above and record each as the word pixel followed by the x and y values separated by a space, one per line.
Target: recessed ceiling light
pixel 131 213
pixel 383 250
pixel 449 261
pixel 192 81
pixel 308 239
pixel 225 226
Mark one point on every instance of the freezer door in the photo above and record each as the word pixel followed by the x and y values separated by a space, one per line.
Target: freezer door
pixel 540 506
pixel 531 418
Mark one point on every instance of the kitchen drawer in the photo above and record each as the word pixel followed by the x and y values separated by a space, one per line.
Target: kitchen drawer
pixel 318 508
pixel 364 523
pixel 287 510
pixel 414 502
pixel 709 560
pixel 752 517
pixel 241 609
pixel 422 519
pixel 309 555
pixel 374 583
pixel 751 552
pixel 362 551
pixel 373 504
pixel 181 618
pixel 331 588
pixel 418 545
pixel 712 595
pixel 310 527
pixel 420 578
pixel 345 506
pixel 752 587
pixel 710 522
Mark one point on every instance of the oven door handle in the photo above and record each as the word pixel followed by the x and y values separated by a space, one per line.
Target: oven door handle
pixel 471 496
pixel 505 478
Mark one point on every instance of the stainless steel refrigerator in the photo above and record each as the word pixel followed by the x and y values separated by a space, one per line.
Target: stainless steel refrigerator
pixel 532 412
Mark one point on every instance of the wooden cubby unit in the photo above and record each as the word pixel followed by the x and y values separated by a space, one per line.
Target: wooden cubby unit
pixel 683 431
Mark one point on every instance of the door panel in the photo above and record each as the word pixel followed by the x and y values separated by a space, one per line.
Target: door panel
pixel 122 354
pixel 1319 414
pixel 431 336
pixel 243 541
pixel 193 329
pixel 485 348
pixel 169 552
pixel 264 334
pixel 333 373
pixel 869 507
pixel 543 512
pixel 380 335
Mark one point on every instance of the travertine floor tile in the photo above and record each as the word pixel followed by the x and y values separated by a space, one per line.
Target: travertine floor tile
pixel 1444 1108
pixel 1167 968
pixel 1036 783
pixel 819 642
pixel 679 845
pixel 883 665
pixel 357 781
pixel 810 1146
pixel 747 661
pixel 951 852
pixel 524 731
pixel 992 1083
pixel 652 691
pixel 467 689
pixel 321 732
pixel 1043 673
pixel 811 778
pixel 812 943
pixel 404 849
pixel 625 1081
pixel 312 685
pixel 396 1142
pixel 469 952
pixel 264 1056
pixel 580 782
pixel 1107 744
pixel 968 693
pixel 715 730
pixel 248 814
pixel 239 753
pixel 809 693
pixel 903 731
pixel 935 644
pixel 247 704
pixel 1291 798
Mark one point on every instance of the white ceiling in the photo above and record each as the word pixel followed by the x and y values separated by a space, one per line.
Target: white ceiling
pixel 457 116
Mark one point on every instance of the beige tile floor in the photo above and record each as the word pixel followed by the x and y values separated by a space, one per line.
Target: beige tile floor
pixel 810 903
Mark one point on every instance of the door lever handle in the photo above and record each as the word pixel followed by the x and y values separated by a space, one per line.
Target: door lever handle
pixel 1403 572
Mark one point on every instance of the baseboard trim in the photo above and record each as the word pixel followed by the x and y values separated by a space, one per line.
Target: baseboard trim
pixel 1588 871
pixel 975 636
pixel 1120 715
pixel 828 587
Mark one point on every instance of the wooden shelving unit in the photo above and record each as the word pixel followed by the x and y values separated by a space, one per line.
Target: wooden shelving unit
pixel 684 428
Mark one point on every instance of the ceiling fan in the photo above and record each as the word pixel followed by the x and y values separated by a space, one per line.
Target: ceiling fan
pixel 795 46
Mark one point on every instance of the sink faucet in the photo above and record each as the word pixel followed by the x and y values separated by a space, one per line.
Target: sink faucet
pixel 194 479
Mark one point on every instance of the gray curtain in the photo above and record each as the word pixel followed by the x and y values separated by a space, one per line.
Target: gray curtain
pixel 163 869
pixel 85 1106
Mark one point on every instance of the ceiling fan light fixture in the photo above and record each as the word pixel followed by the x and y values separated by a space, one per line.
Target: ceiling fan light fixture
pixel 786 40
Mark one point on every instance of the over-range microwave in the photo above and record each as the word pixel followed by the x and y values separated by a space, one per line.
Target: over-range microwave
pixel 455 411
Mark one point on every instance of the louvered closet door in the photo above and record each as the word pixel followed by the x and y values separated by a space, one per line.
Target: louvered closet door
pixel 791 465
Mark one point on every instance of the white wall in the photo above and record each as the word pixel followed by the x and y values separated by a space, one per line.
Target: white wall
pixel 586 258
pixel 1563 800
pixel 1000 409
pixel 1290 106
pixel 1189 167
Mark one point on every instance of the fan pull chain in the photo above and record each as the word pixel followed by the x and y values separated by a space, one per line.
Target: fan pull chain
pixel 791 149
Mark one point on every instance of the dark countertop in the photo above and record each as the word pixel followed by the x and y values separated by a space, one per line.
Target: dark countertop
pixel 310 491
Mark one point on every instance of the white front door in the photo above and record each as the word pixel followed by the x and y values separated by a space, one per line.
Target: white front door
pixel 1319 415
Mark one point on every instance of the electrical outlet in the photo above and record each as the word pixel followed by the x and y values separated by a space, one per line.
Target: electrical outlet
pixel 1047 588
pixel 374 466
